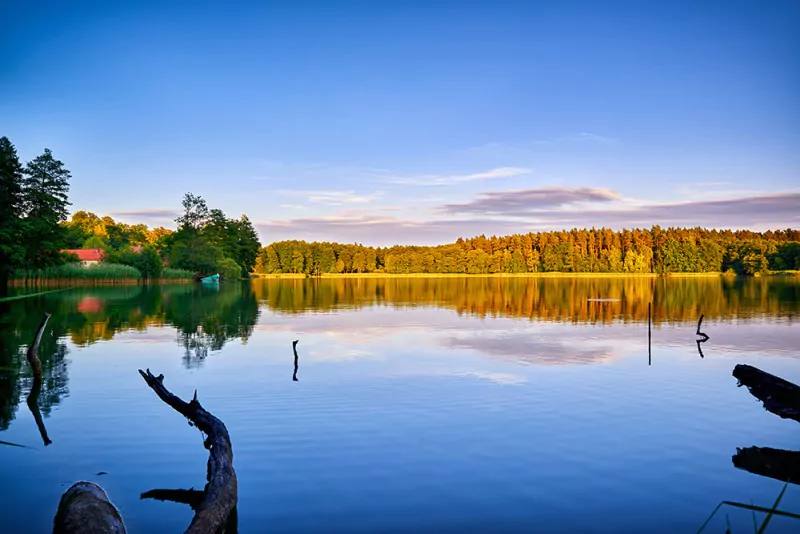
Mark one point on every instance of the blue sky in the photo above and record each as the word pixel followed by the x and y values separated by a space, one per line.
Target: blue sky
pixel 414 122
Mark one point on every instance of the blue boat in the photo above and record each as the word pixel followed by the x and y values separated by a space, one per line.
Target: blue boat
pixel 211 279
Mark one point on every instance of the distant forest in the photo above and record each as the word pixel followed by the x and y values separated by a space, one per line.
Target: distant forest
pixel 657 250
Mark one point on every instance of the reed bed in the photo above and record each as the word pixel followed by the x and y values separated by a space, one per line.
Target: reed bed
pixel 100 274
pixel 176 274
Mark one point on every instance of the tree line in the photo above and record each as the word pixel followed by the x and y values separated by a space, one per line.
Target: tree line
pixel 657 250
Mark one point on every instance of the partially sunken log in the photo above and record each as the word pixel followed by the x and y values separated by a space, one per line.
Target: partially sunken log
pixel 221 491
pixel 779 396
pixel 774 463
pixel 85 508
pixel 33 349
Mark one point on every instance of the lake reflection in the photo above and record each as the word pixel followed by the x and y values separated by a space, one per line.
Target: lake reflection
pixel 422 404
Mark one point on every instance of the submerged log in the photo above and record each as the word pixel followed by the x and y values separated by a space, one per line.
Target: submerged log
pixel 85 508
pixel 773 463
pixel 779 396
pixel 221 492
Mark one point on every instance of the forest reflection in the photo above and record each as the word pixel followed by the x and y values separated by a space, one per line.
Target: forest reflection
pixel 565 299
pixel 206 318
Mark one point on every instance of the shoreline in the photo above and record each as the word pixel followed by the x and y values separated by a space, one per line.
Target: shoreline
pixel 299 276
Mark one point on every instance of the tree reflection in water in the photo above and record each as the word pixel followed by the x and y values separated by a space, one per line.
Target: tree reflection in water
pixel 205 320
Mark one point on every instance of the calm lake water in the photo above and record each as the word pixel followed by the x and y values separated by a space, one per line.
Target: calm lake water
pixel 420 405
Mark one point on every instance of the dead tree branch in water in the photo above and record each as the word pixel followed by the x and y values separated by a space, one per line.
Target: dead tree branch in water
pixel 36 388
pixel 221 492
pixel 773 463
pixel 699 333
pixel 85 508
pixel 33 349
pixel 779 396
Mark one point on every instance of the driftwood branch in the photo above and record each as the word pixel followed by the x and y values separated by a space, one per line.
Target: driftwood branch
pixel 33 349
pixel 773 463
pixel 294 348
pixel 36 388
pixel 779 396
pixel 699 333
pixel 221 491
pixel 85 508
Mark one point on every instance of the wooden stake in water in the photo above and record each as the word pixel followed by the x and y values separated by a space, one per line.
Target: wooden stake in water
pixel 649 337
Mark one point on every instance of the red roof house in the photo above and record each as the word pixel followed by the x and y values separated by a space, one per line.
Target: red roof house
pixel 87 256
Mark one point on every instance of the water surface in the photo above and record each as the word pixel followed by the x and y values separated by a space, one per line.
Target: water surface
pixel 420 405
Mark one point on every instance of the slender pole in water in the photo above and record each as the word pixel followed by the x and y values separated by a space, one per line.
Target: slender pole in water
pixel 649 336
pixel 294 348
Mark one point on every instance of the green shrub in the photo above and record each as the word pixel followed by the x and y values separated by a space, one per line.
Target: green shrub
pixel 229 269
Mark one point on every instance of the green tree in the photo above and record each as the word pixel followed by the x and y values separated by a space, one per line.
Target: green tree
pixel 12 251
pixel 193 253
pixel 45 187
pixel 248 245
pixel 94 241
pixel 195 212
pixel 149 262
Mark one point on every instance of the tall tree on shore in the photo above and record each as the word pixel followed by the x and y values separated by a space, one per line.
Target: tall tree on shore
pixel 11 206
pixel 248 245
pixel 45 201
pixel 195 213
